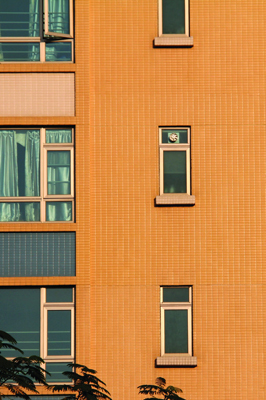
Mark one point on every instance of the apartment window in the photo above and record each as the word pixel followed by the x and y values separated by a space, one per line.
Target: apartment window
pixel 176 327
pixel 42 322
pixel 173 23
pixel 36 31
pixel 37 174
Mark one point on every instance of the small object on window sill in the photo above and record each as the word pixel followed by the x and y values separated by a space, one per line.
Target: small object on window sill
pixel 173 41
pixel 178 361
pixel 175 199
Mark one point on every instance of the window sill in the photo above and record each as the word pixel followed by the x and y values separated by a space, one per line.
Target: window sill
pixel 175 199
pixel 175 41
pixel 176 361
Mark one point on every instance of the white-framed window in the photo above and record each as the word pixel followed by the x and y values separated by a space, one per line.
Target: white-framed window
pixel 37 174
pixel 174 17
pixel 41 319
pixel 174 145
pixel 176 321
pixel 173 24
pixel 36 31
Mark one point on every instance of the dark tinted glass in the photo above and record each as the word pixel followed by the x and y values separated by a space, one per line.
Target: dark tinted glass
pixel 176 331
pixel 59 295
pixel 59 332
pixel 175 295
pixel 175 179
pixel 20 52
pixel 173 16
pixel 56 52
pixel 20 317
pixel 56 370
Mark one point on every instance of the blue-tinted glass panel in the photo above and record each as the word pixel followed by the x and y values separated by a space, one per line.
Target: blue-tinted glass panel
pixel 19 52
pixel 58 16
pixel 37 254
pixel 58 170
pixel 182 136
pixel 19 18
pixel 176 331
pixel 56 52
pixel 58 135
pixel 58 211
pixel 176 295
pixel 59 332
pixel 20 317
pixel 173 16
pixel 19 163
pixel 59 295
pixel 56 370
pixel 14 212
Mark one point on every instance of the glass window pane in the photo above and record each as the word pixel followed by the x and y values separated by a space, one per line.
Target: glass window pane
pixel 56 370
pixel 19 163
pixel 57 52
pixel 13 212
pixel 175 179
pixel 58 16
pixel 20 317
pixel 59 211
pixel 176 331
pixel 173 16
pixel 59 295
pixel 58 135
pixel 176 295
pixel 58 172
pixel 19 52
pixel 19 18
pixel 182 136
pixel 59 332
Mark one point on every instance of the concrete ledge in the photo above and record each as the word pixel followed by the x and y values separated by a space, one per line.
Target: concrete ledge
pixel 179 361
pixel 175 199
pixel 175 41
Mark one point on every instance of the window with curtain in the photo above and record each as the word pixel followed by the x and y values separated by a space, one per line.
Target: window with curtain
pixel 42 322
pixel 31 190
pixel 24 38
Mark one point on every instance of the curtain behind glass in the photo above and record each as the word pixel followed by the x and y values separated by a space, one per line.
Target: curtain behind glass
pixel 58 135
pixel 9 175
pixel 34 28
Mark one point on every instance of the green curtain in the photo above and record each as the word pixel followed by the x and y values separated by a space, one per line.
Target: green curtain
pixel 59 16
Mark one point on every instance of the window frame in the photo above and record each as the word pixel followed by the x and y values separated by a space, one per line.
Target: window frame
pixel 160 21
pixel 45 36
pixel 176 306
pixel 163 147
pixel 44 196
pixel 44 307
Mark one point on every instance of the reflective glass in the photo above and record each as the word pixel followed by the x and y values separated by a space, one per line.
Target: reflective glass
pixel 182 136
pixel 58 135
pixel 58 51
pixel 58 16
pixel 19 18
pixel 59 211
pixel 13 212
pixel 58 172
pixel 176 331
pixel 59 295
pixel 19 163
pixel 173 16
pixel 20 317
pixel 176 295
pixel 59 332
pixel 175 172
pixel 19 52
pixel 56 370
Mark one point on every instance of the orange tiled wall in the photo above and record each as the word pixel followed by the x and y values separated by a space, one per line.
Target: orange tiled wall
pixel 127 247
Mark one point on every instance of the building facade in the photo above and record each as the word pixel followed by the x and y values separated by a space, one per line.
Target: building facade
pixel 132 198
